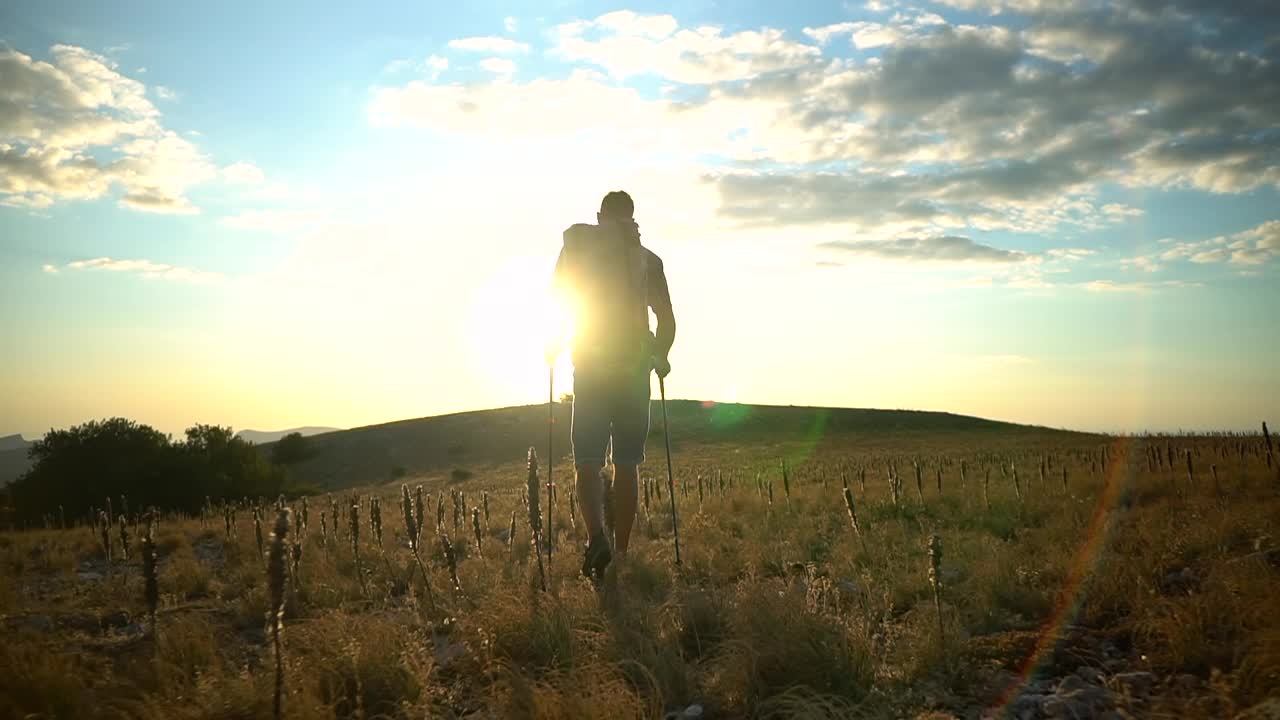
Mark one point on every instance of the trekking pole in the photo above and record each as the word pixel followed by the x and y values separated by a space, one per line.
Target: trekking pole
pixel 671 478
pixel 551 459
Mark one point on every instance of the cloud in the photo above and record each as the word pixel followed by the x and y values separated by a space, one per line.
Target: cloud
pixel 244 173
pixel 1070 253
pixel 498 66
pixel 626 44
pixel 945 249
pixel 74 128
pixel 1255 246
pixel 866 35
pixel 144 268
pixel 510 24
pixel 272 221
pixel 51 269
pixel 933 129
pixel 1111 286
pixel 489 44
pixel 1141 262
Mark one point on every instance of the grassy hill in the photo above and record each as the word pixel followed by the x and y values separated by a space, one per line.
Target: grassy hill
pixel 486 438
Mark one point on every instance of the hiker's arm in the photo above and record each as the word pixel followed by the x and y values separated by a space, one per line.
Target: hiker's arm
pixel 660 301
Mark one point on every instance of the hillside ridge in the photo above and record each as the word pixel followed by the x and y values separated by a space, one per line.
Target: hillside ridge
pixel 478 438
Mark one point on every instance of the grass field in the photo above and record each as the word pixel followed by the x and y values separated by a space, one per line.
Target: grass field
pixel 1115 577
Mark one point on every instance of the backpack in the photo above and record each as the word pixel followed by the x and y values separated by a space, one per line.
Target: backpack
pixel 607 274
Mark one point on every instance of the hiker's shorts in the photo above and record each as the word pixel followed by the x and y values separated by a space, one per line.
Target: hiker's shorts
pixel 610 405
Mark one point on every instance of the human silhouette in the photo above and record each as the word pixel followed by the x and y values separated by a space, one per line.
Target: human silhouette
pixel 611 282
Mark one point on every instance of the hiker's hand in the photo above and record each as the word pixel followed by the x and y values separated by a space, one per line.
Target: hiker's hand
pixel 662 366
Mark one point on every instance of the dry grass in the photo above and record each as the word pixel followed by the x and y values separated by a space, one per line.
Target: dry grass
pixel 775 612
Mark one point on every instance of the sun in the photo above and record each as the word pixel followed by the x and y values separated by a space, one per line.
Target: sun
pixel 514 315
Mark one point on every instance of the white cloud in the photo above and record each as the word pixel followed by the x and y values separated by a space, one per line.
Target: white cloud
pixel 165 93
pixel 1210 256
pixel 51 269
pixel 498 66
pixel 1255 246
pixel 950 130
pixel 144 268
pixel 489 44
pixel 244 173
pixel 74 128
pixel 935 249
pixel 510 24
pixel 1070 253
pixel 1112 286
pixel 629 45
pixel 1141 262
pixel 628 23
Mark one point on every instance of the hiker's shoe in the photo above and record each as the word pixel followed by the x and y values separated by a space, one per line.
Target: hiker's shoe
pixel 598 556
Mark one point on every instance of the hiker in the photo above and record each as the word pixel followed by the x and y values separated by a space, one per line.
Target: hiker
pixel 610 281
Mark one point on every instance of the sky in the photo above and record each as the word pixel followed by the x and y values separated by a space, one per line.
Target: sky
pixel 267 215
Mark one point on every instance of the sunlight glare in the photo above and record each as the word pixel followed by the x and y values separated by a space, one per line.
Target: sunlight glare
pixel 514 315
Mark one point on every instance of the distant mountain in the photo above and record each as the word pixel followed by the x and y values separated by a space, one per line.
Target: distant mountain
pixel 13 458
pixel 13 442
pixel 260 437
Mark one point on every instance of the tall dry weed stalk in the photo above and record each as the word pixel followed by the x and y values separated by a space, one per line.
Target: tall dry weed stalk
pixel 786 484
pixel 105 525
pixel 419 513
pixel 276 581
pixel 124 539
pixel 935 578
pixel 475 528
pixel 1271 462
pixel 151 586
pixel 257 529
pixel 1017 486
pixel 413 533
pixel 535 514
pixel 853 517
pixel 919 482
pixel 410 522
pixel 451 559
pixel 375 520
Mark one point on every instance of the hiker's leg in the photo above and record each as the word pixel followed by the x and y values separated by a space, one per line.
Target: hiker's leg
pixel 624 504
pixel 591 497
pixel 590 433
pixel 630 430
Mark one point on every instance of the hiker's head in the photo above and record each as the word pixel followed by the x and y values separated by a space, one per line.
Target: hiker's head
pixel 617 210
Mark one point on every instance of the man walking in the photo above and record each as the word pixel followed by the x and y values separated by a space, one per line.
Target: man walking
pixel 611 281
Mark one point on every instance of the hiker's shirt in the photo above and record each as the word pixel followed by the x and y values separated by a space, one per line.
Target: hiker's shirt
pixel 611 282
